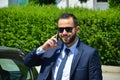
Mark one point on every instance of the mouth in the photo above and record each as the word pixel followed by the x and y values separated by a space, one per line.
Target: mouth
pixel 65 38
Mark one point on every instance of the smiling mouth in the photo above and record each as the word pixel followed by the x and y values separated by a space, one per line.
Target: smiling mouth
pixel 65 38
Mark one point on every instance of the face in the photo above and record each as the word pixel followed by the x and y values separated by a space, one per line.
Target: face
pixel 67 31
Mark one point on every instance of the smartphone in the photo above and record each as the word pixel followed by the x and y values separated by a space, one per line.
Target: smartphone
pixel 57 37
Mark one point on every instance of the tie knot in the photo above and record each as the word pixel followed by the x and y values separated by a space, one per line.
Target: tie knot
pixel 67 51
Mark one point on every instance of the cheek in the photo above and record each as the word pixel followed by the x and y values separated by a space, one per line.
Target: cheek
pixel 60 34
pixel 74 31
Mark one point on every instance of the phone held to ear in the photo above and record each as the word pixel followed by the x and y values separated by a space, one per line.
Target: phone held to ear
pixel 57 36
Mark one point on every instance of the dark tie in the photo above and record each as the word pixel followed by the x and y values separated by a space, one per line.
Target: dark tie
pixel 61 67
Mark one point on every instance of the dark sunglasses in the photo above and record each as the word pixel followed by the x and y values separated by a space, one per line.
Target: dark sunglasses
pixel 68 29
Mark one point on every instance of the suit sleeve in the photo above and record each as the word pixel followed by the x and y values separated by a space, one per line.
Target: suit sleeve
pixel 95 72
pixel 32 59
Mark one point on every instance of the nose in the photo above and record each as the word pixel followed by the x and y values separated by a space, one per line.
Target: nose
pixel 64 31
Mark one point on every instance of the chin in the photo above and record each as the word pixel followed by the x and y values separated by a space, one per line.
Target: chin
pixel 66 42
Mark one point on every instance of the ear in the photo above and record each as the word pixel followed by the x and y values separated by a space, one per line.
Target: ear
pixel 77 28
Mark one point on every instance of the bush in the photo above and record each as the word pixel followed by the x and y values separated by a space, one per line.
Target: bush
pixel 114 3
pixel 28 27
pixel 42 2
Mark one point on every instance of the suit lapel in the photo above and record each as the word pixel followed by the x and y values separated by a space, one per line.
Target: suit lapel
pixel 54 57
pixel 76 58
pixel 52 62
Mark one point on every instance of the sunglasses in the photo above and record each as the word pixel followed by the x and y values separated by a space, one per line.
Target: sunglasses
pixel 68 29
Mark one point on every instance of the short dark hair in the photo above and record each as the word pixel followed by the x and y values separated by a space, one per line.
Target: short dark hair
pixel 68 15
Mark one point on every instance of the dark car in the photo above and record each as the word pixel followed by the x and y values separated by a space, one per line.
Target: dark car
pixel 12 66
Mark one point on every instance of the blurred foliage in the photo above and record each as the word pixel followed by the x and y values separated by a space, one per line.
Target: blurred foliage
pixel 28 27
pixel 41 2
pixel 114 3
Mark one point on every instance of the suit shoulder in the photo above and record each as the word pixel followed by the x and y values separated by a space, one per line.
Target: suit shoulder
pixel 88 48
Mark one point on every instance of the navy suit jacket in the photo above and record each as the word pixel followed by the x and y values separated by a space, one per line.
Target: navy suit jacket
pixel 86 65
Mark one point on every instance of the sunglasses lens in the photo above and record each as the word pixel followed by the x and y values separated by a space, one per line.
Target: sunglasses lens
pixel 60 30
pixel 68 29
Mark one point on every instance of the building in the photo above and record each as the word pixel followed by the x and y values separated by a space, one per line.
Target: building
pixel 91 4
pixel 6 3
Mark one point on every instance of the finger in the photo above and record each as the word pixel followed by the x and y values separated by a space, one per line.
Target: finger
pixel 54 35
pixel 51 42
pixel 54 38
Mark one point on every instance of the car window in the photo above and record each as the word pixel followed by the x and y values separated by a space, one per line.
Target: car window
pixel 13 70
pixel 9 65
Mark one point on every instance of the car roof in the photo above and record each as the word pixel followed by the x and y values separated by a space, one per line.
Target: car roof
pixel 11 53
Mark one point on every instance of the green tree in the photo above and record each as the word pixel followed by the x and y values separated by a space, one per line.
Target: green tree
pixel 43 1
pixel 114 3
pixel 34 1
pixel 49 1
pixel 46 1
pixel 83 1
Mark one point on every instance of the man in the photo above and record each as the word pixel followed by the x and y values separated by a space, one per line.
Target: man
pixel 82 62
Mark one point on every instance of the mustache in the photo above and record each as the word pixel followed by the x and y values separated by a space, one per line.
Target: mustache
pixel 64 35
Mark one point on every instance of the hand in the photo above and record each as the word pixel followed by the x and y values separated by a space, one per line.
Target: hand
pixel 50 43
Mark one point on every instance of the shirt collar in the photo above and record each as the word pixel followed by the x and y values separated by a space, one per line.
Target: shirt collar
pixel 73 47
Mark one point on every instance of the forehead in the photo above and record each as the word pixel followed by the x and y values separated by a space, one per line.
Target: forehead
pixel 65 22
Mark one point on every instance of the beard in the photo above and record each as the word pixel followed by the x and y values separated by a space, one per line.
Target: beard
pixel 70 40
